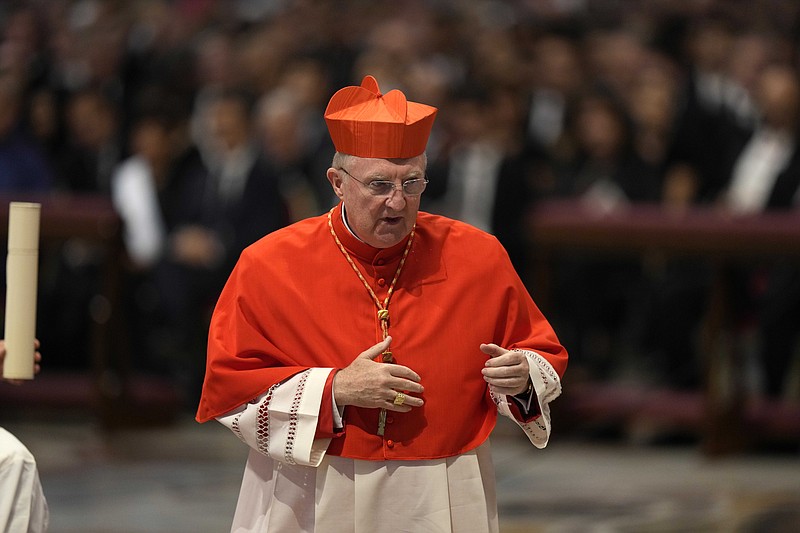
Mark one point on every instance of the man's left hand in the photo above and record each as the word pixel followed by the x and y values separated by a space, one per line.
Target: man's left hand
pixel 506 370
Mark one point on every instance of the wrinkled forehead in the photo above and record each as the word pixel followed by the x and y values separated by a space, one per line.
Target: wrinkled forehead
pixel 388 167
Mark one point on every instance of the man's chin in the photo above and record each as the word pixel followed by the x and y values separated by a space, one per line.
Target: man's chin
pixel 387 239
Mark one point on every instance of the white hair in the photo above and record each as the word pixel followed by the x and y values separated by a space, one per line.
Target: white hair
pixel 340 160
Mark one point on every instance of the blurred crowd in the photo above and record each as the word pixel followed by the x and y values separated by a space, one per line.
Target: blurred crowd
pixel 202 121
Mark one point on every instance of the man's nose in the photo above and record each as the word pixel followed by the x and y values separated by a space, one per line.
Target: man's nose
pixel 396 199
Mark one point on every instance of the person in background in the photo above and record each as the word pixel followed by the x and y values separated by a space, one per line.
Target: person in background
pixel 556 81
pixel 597 297
pixel 23 164
pixel 288 144
pixel 766 177
pixel 480 176
pixel 762 174
pixel 135 186
pixel 93 150
pixel 364 354
pixel 23 506
pixel 83 165
pixel 138 187
pixel 219 198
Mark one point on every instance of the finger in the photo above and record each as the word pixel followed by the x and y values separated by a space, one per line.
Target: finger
pixel 400 371
pixel 503 372
pixel 492 350
pixel 516 385
pixel 407 385
pixel 515 381
pixel 376 349
pixel 510 358
pixel 511 385
pixel 404 379
pixel 410 402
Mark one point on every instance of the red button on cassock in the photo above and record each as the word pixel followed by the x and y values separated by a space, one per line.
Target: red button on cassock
pixel 390 443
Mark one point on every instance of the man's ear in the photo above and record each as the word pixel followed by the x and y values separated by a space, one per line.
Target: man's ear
pixel 335 179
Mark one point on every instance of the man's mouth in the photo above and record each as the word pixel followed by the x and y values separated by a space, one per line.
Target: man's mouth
pixel 392 220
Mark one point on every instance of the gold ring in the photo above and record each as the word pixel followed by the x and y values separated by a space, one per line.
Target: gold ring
pixel 399 399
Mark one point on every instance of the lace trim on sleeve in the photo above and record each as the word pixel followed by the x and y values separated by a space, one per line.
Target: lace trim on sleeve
pixel 235 427
pixel 262 421
pixel 292 432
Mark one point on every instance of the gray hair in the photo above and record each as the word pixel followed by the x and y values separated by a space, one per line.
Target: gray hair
pixel 340 160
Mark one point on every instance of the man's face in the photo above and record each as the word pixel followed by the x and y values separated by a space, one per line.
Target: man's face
pixel 380 221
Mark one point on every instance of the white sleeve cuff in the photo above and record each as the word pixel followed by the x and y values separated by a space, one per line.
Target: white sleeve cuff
pixel 282 422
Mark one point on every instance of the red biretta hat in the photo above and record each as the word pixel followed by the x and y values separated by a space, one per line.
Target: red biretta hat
pixel 365 123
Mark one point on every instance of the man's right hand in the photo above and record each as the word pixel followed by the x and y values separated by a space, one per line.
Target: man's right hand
pixel 368 383
pixel 37 358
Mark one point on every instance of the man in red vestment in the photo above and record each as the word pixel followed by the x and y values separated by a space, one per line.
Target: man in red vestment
pixel 364 354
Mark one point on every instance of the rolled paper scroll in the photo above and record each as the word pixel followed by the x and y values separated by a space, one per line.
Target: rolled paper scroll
pixel 22 267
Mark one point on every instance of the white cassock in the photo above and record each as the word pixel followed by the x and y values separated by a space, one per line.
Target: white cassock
pixel 291 485
pixel 23 508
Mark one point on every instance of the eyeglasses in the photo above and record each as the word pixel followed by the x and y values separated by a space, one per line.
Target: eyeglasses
pixel 412 187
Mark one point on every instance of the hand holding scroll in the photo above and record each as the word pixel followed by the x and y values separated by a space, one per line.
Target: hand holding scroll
pixel 37 358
